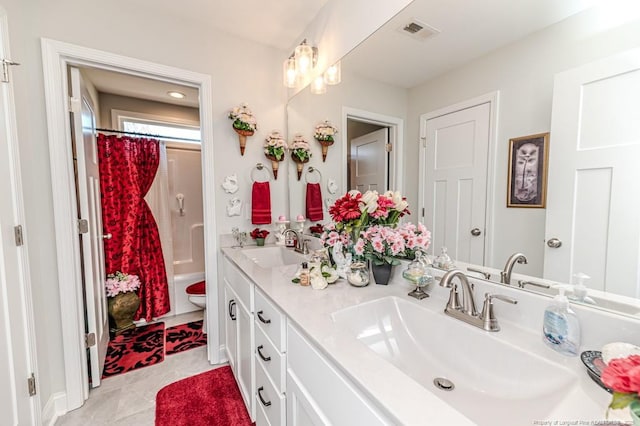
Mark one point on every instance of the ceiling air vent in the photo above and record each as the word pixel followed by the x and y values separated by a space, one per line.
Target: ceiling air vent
pixel 418 30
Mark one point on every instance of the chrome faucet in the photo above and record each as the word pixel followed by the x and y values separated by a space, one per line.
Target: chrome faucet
pixel 505 275
pixel 299 244
pixel 467 310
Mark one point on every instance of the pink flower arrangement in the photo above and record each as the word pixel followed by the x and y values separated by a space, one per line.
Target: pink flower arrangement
pixel 120 282
pixel 356 210
pixel 622 375
pixel 382 244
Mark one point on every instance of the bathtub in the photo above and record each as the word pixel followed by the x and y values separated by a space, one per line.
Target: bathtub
pixel 180 300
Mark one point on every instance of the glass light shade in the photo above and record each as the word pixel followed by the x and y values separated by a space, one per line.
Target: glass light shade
pixel 318 87
pixel 304 58
pixel 332 74
pixel 289 73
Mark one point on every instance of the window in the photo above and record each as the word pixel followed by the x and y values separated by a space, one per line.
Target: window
pixel 158 126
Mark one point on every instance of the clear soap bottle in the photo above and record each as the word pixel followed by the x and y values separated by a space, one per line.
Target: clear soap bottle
pixel 561 326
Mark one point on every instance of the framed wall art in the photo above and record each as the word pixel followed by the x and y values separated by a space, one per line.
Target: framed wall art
pixel 528 163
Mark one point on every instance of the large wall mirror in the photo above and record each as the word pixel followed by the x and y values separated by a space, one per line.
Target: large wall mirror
pixel 505 55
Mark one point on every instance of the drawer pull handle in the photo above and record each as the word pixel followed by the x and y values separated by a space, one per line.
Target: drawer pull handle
pixel 262 319
pixel 265 403
pixel 232 314
pixel 259 350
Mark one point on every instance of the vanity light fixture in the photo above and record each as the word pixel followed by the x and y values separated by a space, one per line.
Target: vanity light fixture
pixel 289 72
pixel 317 86
pixel 332 74
pixel 176 94
pixel 299 65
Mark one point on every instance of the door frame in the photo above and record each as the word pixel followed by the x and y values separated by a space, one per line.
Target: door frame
pixel 56 56
pixel 25 348
pixel 492 98
pixel 396 138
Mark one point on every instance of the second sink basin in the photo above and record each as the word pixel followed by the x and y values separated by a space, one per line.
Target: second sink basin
pixel 273 256
pixel 495 381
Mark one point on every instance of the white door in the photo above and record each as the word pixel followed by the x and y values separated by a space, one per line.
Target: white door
pixel 369 161
pixel 16 406
pixel 593 204
pixel 455 186
pixel 92 248
pixel 231 326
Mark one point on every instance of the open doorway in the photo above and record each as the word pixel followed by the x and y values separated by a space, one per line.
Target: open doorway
pixel 123 117
pixel 57 58
pixel 372 146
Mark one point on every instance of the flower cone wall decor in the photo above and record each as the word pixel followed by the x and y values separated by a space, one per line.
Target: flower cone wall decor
pixel 244 123
pixel 274 147
pixel 300 152
pixel 324 134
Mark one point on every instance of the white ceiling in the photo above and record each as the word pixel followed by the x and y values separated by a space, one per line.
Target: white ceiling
pixel 468 29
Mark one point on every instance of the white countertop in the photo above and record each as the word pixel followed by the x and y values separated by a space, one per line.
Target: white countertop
pixel 402 398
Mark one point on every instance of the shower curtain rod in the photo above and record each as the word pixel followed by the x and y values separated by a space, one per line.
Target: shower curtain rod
pixel 148 135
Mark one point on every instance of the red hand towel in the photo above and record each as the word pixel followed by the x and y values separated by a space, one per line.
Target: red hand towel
pixel 260 203
pixel 314 202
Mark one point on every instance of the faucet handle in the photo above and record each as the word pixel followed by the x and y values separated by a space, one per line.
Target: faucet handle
pixel 490 323
pixel 522 283
pixel 305 245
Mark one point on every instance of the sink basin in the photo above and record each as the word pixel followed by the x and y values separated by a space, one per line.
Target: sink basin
pixel 495 382
pixel 273 256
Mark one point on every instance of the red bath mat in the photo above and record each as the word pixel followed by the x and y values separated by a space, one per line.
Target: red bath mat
pixel 185 336
pixel 136 348
pixel 210 398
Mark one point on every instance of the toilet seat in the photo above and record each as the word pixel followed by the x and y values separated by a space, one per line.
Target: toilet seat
pixel 196 289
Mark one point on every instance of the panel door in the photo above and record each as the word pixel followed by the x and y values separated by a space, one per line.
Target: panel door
pixel 455 187
pixel 230 326
pixel 89 206
pixel 369 161
pixel 593 205
pixel 245 360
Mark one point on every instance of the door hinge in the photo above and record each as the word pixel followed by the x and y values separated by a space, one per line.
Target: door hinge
pixel 17 232
pixel 6 63
pixel 83 226
pixel 74 105
pixel 423 212
pixel 89 340
pixel 389 147
pixel 424 141
pixel 31 384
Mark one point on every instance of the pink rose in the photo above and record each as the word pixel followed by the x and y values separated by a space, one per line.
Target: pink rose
pixel 623 374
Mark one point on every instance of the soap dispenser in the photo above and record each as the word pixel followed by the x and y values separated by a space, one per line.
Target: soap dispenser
pixel 561 327
pixel 580 291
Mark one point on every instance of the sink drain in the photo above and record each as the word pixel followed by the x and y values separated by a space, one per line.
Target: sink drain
pixel 444 384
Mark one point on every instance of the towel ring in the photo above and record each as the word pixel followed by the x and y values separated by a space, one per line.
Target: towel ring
pixel 260 167
pixel 310 170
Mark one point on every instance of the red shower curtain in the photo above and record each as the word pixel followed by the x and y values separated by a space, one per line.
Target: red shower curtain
pixel 127 169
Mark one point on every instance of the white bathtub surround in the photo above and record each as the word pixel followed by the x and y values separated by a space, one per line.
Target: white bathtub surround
pixel 560 390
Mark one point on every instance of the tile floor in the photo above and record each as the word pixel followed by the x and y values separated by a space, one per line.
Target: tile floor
pixel 130 398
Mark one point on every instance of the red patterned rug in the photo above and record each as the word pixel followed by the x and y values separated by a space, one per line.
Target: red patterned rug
pixel 210 398
pixel 136 348
pixel 185 336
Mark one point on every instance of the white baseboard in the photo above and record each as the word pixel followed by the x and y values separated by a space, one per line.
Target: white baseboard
pixel 222 354
pixel 55 407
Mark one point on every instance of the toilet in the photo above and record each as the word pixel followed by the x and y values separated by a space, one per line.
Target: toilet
pixel 197 295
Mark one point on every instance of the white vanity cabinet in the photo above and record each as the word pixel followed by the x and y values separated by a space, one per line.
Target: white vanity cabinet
pixel 319 394
pixel 270 361
pixel 239 336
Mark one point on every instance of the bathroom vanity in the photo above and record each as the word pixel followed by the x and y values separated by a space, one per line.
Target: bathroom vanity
pixel 348 355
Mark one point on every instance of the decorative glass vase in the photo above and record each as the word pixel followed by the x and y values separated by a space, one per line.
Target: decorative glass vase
pixel 381 273
pixel 358 274
pixel 122 308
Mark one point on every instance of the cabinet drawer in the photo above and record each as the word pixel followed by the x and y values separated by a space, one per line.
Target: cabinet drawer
pixel 270 320
pixel 273 361
pixel 240 284
pixel 268 399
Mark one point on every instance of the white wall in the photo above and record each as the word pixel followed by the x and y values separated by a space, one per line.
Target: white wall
pixel 242 71
pixel 306 110
pixel 109 102
pixel 523 73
